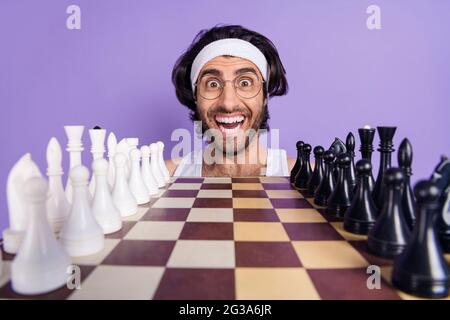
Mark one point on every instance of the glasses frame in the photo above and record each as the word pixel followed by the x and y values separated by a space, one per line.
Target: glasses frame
pixel 224 83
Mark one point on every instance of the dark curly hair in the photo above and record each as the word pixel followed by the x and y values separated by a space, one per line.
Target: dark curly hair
pixel 278 85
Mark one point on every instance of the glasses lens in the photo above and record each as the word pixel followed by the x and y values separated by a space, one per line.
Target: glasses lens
pixel 210 87
pixel 247 85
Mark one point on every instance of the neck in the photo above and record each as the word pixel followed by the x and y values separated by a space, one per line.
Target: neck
pixel 248 162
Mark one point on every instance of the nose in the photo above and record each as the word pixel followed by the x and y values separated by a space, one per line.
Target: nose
pixel 229 99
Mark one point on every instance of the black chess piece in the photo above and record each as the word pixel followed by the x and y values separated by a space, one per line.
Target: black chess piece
pixel 350 145
pixel 326 186
pixel 362 214
pixel 386 148
pixel 421 269
pixel 298 163
pixel 317 175
pixel 303 176
pixel 441 176
pixel 341 197
pixel 405 156
pixel 96 128
pixel 390 234
pixel 338 148
pixel 443 223
pixel 366 136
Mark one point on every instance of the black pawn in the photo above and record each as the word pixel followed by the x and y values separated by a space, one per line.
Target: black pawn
pixel 405 156
pixel 350 144
pixel 96 128
pixel 341 197
pixel 366 136
pixel 362 214
pixel 390 234
pixel 317 175
pixel 303 176
pixel 386 148
pixel 421 269
pixel 326 186
pixel 299 162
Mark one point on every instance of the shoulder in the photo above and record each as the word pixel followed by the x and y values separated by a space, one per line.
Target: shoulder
pixel 291 162
pixel 172 165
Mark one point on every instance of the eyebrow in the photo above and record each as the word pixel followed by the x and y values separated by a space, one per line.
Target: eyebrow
pixel 214 72
pixel 218 73
pixel 245 70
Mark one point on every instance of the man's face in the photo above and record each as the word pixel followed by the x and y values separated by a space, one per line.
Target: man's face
pixel 229 116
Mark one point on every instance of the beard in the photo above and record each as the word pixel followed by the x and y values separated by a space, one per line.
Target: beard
pixel 235 144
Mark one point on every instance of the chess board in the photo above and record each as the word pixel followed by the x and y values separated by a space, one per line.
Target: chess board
pixel 227 238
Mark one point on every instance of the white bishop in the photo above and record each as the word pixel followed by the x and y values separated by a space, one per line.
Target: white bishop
pixel 58 208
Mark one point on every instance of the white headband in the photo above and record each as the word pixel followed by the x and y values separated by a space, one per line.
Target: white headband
pixel 231 47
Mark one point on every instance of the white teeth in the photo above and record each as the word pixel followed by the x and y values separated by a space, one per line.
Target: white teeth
pixel 230 119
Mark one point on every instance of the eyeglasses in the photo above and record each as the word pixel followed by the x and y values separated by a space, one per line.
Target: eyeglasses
pixel 246 86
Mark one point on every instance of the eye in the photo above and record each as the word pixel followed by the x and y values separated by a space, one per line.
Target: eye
pixel 213 84
pixel 245 82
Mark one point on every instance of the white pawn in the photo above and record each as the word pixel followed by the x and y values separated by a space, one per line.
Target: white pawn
pixel 122 196
pixel 58 208
pixel 97 136
pixel 162 164
pixel 41 263
pixel 156 169
pixel 81 235
pixel 136 183
pixel 103 208
pixel 124 148
pixel 75 148
pixel 112 144
pixel 146 171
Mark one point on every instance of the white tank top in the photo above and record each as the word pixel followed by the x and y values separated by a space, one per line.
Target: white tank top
pixel 191 164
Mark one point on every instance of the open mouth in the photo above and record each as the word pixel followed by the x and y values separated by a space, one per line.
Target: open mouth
pixel 229 124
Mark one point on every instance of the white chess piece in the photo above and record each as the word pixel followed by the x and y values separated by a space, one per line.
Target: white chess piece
pixel 156 170
pixel 161 162
pixel 58 208
pixel 74 147
pixel 124 148
pixel 24 169
pixel 146 171
pixel 103 208
pixel 81 235
pixel 112 144
pixel 97 149
pixel 133 143
pixel 41 263
pixel 122 196
pixel 136 183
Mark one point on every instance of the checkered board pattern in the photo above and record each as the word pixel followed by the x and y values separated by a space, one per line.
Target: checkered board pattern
pixel 227 238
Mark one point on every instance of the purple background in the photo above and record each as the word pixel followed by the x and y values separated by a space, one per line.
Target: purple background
pixel 115 71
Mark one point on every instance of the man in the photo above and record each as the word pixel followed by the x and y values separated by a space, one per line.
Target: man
pixel 225 78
